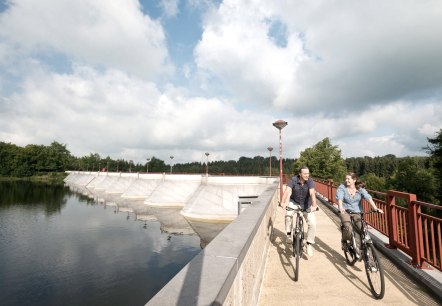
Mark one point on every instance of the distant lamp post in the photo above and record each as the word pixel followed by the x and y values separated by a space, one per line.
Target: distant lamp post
pixel 147 165
pixel 270 162
pixel 171 157
pixel 280 124
pixel 130 165
pixel 207 164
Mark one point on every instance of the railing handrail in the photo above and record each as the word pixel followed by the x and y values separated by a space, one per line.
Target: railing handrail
pixel 416 233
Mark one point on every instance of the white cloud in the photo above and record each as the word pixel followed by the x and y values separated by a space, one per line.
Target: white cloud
pixel 112 34
pixel 95 75
pixel 338 55
pixel 170 7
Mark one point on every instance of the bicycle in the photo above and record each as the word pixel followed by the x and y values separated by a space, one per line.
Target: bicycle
pixel 298 237
pixel 373 267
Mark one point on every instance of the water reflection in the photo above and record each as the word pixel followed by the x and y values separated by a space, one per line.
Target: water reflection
pixel 50 198
pixel 62 248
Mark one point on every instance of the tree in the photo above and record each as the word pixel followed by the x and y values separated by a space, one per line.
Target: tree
pixel 411 177
pixel 324 161
pixel 434 148
pixel 374 182
pixel 157 165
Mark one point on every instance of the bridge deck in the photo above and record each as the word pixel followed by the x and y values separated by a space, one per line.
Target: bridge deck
pixel 325 278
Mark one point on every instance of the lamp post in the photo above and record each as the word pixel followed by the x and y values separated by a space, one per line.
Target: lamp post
pixel 147 165
pixel 171 157
pixel 270 162
pixel 130 165
pixel 207 164
pixel 280 124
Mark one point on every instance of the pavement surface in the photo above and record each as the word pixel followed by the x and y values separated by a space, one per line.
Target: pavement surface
pixel 326 279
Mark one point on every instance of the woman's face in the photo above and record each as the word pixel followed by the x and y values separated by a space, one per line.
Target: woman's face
pixel 349 181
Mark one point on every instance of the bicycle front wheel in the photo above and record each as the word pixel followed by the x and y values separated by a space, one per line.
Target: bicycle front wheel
pixel 375 273
pixel 297 251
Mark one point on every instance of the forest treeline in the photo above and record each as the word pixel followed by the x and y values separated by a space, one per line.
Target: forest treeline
pixel 420 175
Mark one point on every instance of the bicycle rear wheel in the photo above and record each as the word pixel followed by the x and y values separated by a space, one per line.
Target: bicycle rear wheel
pixel 375 273
pixel 297 251
pixel 350 252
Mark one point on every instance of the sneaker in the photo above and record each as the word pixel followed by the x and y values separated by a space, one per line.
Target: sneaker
pixel 289 238
pixel 368 238
pixel 358 253
pixel 309 250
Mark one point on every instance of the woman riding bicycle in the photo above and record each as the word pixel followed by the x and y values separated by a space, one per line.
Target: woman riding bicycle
pixel 349 196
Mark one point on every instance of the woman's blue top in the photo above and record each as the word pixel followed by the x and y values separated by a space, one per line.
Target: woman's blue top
pixel 350 202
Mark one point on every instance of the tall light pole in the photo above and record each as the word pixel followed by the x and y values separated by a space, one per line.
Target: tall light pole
pixel 171 157
pixel 207 164
pixel 280 124
pixel 270 162
pixel 147 165
pixel 130 165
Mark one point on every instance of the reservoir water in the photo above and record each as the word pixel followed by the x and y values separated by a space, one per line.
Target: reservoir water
pixel 58 247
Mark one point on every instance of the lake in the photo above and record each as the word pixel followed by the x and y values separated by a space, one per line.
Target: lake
pixel 58 247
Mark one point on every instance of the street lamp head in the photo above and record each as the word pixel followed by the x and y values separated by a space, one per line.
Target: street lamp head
pixel 280 124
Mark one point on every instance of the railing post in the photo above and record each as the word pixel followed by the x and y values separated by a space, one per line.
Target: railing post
pixel 391 220
pixel 415 251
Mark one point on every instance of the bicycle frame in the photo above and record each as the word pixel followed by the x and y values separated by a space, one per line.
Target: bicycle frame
pixel 373 267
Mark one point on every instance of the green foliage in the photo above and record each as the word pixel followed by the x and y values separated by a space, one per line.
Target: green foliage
pixel 411 177
pixel 434 148
pixel 374 182
pixel 419 175
pixel 324 161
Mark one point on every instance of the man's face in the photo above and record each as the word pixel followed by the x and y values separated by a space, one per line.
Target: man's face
pixel 305 173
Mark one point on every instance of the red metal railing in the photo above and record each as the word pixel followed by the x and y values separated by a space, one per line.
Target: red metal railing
pixel 406 222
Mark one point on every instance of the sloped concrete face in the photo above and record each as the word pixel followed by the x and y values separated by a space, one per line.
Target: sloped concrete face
pixel 174 191
pixel 142 188
pixel 229 270
pixel 218 199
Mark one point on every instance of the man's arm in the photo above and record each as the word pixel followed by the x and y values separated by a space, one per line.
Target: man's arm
pixel 313 197
pixel 286 196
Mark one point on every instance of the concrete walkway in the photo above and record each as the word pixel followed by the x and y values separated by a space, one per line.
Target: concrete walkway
pixel 325 278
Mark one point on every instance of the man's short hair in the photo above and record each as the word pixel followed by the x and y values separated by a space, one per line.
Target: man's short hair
pixel 302 168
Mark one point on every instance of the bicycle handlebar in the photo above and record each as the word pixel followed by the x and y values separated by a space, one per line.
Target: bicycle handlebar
pixel 298 208
pixel 371 211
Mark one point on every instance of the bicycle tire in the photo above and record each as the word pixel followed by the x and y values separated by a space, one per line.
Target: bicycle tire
pixel 297 249
pixel 350 253
pixel 374 271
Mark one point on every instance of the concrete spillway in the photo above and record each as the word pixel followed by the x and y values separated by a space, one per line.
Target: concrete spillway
pixel 182 203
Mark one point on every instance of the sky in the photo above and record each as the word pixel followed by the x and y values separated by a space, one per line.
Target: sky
pixel 136 79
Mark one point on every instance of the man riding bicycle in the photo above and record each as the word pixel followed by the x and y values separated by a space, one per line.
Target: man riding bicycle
pixel 301 191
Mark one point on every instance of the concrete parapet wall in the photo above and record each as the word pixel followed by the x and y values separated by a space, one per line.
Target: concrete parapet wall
pixel 229 270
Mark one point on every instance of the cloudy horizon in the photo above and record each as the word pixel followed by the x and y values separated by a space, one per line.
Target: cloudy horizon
pixel 135 79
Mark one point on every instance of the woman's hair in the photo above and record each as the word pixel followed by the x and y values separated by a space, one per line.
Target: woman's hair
pixel 358 182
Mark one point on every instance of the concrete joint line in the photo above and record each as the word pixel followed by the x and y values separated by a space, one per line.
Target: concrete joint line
pixel 236 258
